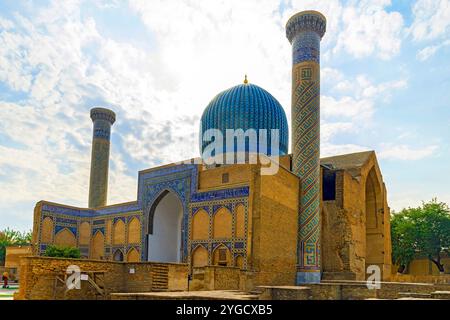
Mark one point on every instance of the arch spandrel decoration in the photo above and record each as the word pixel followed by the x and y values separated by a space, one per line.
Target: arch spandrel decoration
pixel 154 185
pixel 65 237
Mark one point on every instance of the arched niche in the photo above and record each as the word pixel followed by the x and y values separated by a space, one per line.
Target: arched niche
pixel 374 216
pixel 65 238
pixel 223 224
pixel 119 232
pixel 118 255
pixel 221 256
pixel 98 246
pixel 199 257
pixel 133 255
pixel 164 238
pixel 134 231
pixel 200 225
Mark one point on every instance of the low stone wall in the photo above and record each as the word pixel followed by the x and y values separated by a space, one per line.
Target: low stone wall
pixel 438 279
pixel 388 290
pixel 352 290
pixel 284 293
pixel 38 277
pixel 220 278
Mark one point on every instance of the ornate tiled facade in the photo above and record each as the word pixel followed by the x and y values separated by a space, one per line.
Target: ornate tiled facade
pixel 233 215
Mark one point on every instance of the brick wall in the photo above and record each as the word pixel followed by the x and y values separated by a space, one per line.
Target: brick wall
pixel 221 278
pixel 38 277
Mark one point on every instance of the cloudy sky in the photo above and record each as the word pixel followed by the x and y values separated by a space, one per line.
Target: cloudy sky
pixel 157 64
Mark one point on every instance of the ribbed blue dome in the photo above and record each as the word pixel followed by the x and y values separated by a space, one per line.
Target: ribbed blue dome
pixel 245 106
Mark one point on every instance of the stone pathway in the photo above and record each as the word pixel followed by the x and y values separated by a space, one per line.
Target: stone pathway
pixel 187 295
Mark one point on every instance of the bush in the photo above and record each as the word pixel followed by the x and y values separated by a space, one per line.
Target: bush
pixel 62 252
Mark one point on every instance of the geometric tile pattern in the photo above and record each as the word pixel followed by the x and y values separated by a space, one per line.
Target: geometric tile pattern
pixel 236 245
pixel 304 31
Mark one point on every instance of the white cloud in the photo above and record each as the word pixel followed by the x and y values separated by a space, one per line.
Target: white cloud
pixel 360 28
pixel 405 152
pixel 347 107
pixel 431 19
pixel 427 52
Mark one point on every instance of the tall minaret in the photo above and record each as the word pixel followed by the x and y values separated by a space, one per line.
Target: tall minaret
pixel 304 31
pixel 98 184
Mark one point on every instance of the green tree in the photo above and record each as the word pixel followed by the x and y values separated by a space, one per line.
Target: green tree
pixel 62 252
pixel 9 237
pixel 419 232
pixel 402 237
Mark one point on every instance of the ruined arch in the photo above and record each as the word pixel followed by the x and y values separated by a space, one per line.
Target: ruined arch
pixel 374 220
pixel 222 224
pixel 200 225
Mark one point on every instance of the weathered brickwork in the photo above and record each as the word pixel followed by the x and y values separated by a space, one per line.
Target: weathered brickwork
pixel 356 228
pixel 38 278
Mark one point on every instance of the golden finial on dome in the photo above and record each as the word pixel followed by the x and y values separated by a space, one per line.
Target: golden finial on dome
pixel 245 80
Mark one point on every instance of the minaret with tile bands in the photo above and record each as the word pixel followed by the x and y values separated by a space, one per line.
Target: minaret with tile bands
pixel 304 31
pixel 103 119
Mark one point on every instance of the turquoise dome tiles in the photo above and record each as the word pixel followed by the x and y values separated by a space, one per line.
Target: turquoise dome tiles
pixel 245 106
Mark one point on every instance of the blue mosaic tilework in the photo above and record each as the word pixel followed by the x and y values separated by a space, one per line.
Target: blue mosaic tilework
pixel 69 221
pixel 197 209
pixel 216 207
pixel 125 208
pixel 102 130
pixel 306 47
pixel 306 22
pixel 183 171
pixel 132 217
pixel 220 194
pixel 101 229
pixel 245 106
pixel 239 245
pixel 61 209
pixel 97 222
pixel 119 218
pixel 59 228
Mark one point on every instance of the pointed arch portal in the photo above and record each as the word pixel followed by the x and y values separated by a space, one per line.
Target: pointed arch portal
pixel 165 229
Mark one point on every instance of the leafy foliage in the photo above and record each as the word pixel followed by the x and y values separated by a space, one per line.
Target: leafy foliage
pixel 421 232
pixel 9 237
pixel 62 252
